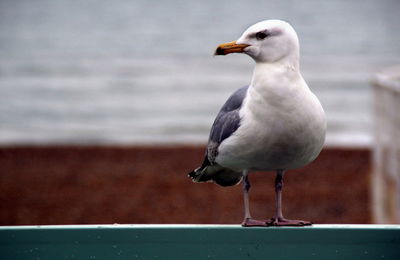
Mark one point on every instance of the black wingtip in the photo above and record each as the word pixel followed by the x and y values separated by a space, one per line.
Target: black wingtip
pixel 192 174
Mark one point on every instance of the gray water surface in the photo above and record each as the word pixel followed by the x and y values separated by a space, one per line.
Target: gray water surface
pixel 128 72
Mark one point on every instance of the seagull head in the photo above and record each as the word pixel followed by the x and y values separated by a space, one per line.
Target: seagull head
pixel 268 41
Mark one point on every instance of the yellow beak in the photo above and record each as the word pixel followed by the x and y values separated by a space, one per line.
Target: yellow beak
pixel 230 47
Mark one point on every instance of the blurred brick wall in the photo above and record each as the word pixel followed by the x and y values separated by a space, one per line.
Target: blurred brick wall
pixel 93 185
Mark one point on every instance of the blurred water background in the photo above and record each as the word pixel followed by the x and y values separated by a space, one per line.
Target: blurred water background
pixel 134 72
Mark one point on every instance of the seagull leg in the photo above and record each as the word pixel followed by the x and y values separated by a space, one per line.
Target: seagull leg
pixel 248 220
pixel 278 219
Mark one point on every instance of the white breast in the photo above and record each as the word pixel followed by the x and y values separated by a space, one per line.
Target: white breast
pixel 282 127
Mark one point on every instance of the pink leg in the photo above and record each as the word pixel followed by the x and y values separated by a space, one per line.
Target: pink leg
pixel 278 219
pixel 248 220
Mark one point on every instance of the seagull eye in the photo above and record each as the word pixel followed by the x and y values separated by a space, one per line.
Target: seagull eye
pixel 261 35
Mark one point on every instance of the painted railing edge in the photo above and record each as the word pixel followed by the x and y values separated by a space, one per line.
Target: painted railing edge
pixel 199 226
pixel 345 242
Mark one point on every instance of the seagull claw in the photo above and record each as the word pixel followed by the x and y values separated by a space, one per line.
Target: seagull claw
pixel 281 222
pixel 249 222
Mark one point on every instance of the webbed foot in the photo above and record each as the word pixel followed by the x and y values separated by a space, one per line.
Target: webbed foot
pixel 288 222
pixel 249 222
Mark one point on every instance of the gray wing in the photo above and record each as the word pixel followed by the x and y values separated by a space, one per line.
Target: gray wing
pixel 226 122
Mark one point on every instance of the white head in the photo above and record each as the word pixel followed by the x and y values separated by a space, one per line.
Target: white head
pixel 268 41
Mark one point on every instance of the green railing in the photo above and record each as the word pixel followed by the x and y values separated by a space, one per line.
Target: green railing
pixel 200 242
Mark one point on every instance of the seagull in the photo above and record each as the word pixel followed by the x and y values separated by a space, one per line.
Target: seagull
pixel 274 124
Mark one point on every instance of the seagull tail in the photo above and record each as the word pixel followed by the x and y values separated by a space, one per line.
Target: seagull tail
pixel 216 173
